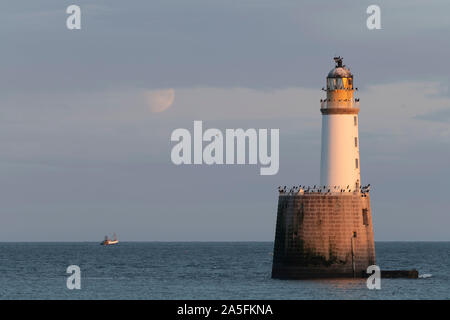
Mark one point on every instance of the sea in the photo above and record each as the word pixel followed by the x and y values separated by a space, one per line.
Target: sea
pixel 204 270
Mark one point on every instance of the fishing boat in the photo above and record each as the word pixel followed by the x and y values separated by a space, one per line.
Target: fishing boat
pixel 108 242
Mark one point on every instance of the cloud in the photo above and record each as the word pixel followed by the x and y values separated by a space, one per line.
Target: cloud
pixel 287 37
pixel 160 100
pixel 442 115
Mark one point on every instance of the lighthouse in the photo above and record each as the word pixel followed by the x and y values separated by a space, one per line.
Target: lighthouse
pixel 326 230
pixel 340 165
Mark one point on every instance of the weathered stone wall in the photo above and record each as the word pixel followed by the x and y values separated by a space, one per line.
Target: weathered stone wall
pixel 323 235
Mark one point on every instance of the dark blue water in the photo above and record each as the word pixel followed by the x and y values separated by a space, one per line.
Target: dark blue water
pixel 202 270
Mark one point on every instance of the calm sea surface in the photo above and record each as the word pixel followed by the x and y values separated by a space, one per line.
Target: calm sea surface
pixel 202 270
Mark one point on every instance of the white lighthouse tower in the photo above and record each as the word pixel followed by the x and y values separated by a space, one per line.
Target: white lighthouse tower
pixel 328 232
pixel 340 165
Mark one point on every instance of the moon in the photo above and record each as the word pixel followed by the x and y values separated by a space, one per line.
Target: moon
pixel 160 100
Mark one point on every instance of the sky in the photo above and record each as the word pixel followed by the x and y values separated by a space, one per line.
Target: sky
pixel 86 115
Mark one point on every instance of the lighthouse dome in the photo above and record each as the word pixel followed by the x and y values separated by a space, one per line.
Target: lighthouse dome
pixel 340 72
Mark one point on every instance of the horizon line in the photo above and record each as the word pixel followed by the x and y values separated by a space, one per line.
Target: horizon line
pixel 184 241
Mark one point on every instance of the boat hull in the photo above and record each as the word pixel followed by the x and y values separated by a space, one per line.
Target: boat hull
pixel 109 242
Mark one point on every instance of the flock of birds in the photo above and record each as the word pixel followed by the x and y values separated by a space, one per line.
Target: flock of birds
pixel 321 189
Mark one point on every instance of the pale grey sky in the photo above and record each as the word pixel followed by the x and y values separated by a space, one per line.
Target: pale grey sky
pixel 82 153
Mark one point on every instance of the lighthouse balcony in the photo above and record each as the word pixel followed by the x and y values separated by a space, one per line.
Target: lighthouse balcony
pixel 324 190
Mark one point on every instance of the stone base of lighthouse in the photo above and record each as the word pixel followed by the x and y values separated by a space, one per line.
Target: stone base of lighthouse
pixel 323 236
